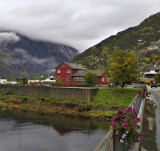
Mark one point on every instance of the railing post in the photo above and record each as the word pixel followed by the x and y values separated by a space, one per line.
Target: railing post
pixel 107 144
pixel 117 146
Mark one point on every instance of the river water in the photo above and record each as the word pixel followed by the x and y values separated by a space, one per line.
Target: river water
pixel 22 131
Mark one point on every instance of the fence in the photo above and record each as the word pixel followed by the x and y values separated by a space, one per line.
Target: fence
pixel 109 144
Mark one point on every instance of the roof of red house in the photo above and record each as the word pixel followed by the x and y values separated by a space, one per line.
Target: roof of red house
pixel 97 72
pixel 75 66
pixel 80 73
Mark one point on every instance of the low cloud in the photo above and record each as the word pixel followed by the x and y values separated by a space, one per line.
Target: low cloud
pixel 29 58
pixel 8 37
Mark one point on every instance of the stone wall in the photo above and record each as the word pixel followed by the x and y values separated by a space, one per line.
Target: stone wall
pixel 83 94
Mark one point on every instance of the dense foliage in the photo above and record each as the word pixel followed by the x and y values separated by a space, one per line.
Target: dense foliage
pixel 148 31
pixel 90 78
pixel 122 66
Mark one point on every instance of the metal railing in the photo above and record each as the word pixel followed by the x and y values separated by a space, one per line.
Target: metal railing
pixel 107 143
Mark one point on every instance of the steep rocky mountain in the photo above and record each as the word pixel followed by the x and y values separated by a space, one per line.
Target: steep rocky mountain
pixel 148 31
pixel 22 55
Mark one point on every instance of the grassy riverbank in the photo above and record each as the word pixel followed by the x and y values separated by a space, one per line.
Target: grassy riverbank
pixel 105 103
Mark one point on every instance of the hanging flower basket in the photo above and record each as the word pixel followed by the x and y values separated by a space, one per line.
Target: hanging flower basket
pixel 126 126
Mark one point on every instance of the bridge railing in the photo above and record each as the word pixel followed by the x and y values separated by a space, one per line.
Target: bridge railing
pixel 108 144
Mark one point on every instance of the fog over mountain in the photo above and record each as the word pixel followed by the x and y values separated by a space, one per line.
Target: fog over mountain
pixel 21 55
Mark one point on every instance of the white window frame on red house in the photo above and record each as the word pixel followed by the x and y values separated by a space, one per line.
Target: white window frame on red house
pixel 81 79
pixel 68 78
pixel 103 79
pixel 58 71
pixel 68 71
pixel 76 79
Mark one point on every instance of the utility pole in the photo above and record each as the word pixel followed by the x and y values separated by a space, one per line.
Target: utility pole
pixel 139 42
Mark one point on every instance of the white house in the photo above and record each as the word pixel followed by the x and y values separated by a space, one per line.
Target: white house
pixel 12 82
pixel 3 81
pixel 152 72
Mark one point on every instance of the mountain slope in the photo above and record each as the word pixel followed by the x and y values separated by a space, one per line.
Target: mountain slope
pixel 22 55
pixel 148 30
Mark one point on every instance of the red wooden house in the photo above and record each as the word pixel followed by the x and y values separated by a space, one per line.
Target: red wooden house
pixel 72 73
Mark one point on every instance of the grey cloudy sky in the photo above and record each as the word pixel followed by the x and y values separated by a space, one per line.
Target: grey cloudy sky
pixel 79 23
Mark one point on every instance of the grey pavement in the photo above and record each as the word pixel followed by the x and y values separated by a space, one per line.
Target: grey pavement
pixel 155 97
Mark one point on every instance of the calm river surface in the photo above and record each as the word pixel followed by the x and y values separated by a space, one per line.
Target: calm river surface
pixel 20 131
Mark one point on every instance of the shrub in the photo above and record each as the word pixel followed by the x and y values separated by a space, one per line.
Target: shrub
pixel 16 101
pixel 81 85
pixel 3 92
pixel 24 99
pixel 141 82
pixel 90 78
pixel 158 84
pixel 70 105
pixel 149 81
pixel 42 99
pixel 84 108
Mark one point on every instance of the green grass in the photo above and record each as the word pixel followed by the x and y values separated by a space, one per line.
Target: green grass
pixel 111 97
pixel 114 97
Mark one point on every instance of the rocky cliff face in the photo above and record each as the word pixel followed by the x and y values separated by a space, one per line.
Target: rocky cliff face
pixel 22 55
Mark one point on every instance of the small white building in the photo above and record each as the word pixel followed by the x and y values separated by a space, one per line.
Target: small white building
pixel 12 82
pixel 152 72
pixel 3 81
pixel 49 79
pixel 30 81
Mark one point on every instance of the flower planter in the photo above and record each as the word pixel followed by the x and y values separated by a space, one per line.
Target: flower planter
pixel 126 128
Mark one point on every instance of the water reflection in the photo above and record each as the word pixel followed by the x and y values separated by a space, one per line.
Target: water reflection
pixel 21 131
pixel 149 129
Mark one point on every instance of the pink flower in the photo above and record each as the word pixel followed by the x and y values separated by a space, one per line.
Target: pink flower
pixel 141 135
pixel 113 123
pixel 126 114
pixel 118 136
pixel 129 118
pixel 131 129
pixel 134 123
pixel 138 119
pixel 126 126
pixel 120 123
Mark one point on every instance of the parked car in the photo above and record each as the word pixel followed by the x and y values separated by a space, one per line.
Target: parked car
pixel 153 84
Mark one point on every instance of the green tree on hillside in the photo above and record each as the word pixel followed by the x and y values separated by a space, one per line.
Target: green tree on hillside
pixel 122 66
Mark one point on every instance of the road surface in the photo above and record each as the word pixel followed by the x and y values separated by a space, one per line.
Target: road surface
pixel 155 97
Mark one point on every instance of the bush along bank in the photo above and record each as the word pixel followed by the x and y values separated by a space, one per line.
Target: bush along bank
pixel 46 106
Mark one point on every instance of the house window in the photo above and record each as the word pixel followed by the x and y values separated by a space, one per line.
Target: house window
pixel 102 79
pixel 58 71
pixel 81 79
pixel 68 71
pixel 75 78
pixel 68 78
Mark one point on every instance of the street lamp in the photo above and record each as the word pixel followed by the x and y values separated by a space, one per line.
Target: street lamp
pixel 139 42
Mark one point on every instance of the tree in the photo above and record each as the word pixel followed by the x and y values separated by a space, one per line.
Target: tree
pixel 37 77
pixel 122 66
pixel 9 79
pixel 157 78
pixel 90 78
